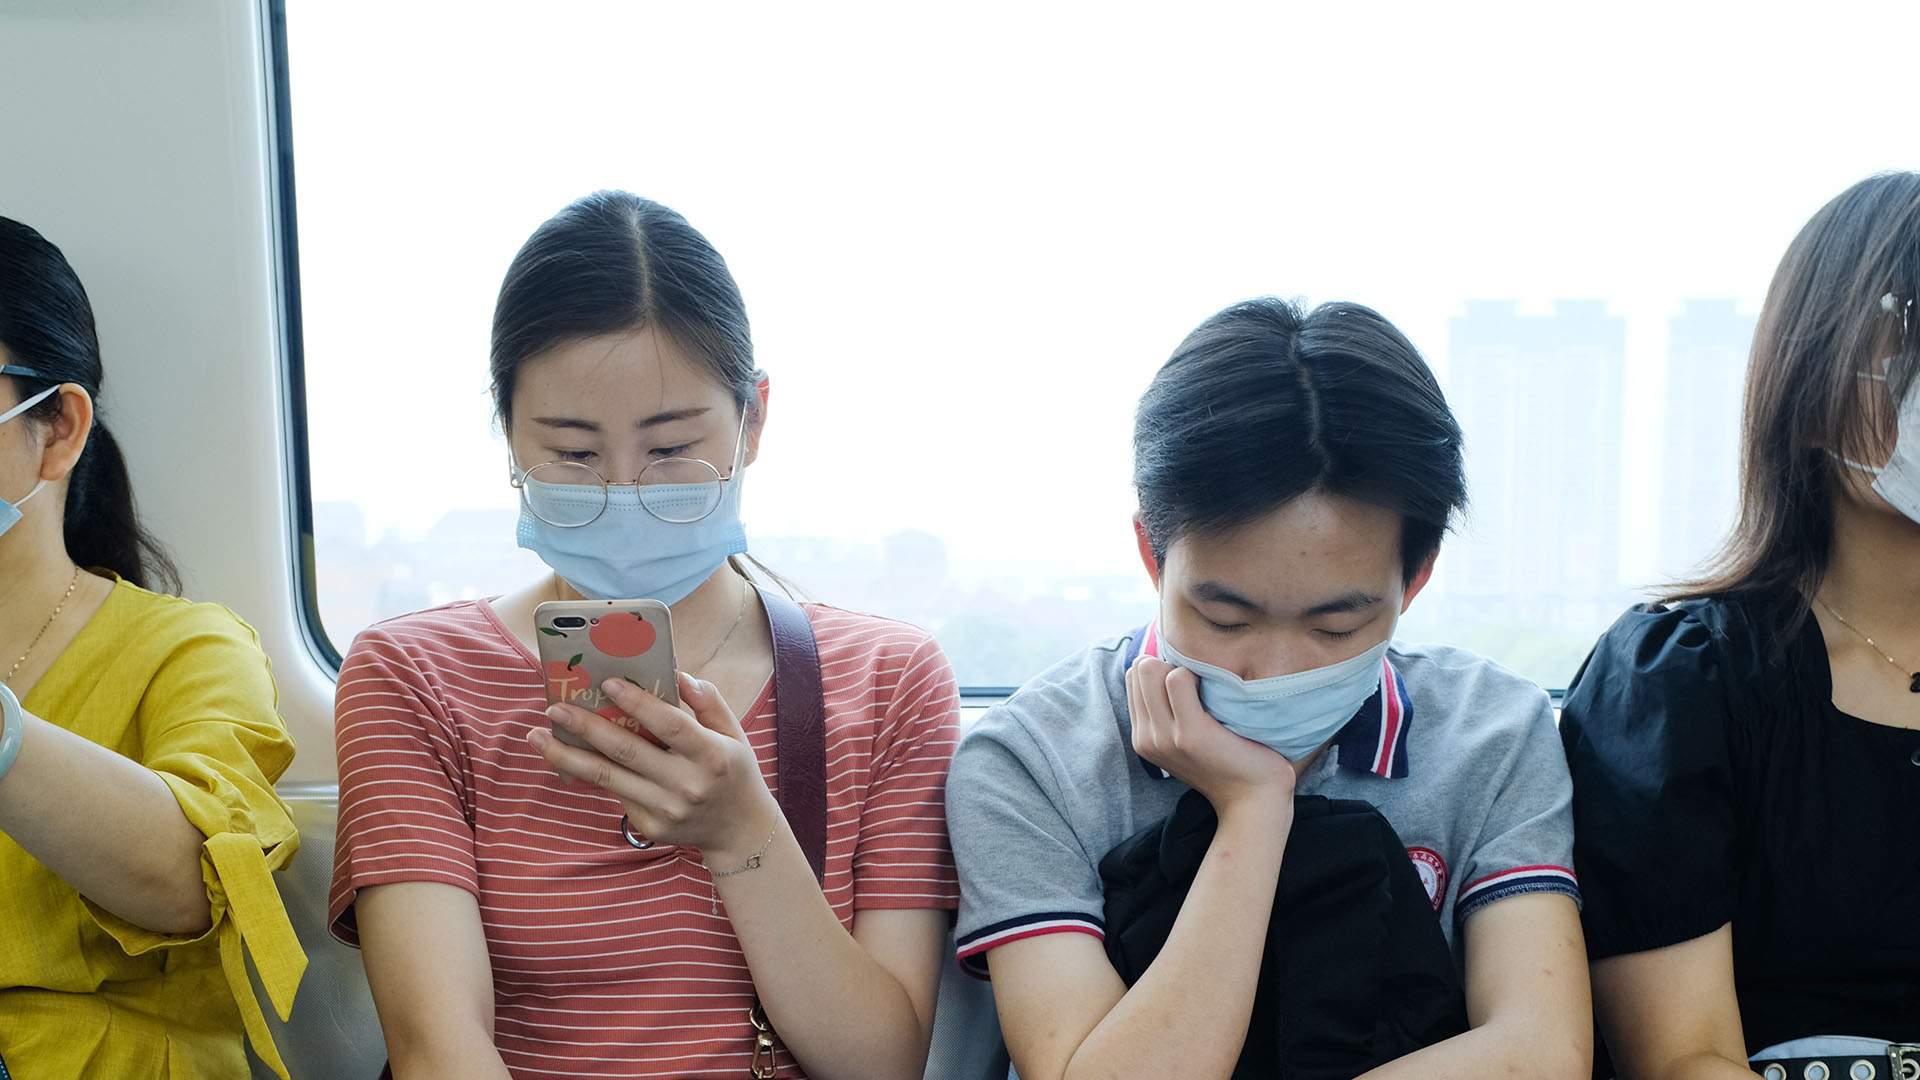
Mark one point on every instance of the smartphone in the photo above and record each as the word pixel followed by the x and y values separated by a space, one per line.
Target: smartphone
pixel 583 643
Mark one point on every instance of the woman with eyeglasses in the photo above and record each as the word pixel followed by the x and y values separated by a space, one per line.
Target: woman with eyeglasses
pixel 139 744
pixel 645 906
pixel 1746 756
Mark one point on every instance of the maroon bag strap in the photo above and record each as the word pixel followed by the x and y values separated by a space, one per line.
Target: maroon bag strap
pixel 800 727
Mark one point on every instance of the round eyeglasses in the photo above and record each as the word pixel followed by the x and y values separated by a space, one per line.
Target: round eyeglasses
pixel 680 491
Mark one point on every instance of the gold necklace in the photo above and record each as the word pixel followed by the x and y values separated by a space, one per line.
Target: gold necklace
pixel 1897 666
pixel 44 627
pixel 746 589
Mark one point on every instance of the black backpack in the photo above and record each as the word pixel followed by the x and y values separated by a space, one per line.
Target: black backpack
pixel 1356 971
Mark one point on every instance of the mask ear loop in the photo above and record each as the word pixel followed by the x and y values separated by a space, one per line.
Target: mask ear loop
pixel 29 403
pixel 16 411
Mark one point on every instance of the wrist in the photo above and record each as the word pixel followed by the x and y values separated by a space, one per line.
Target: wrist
pixel 749 836
pixel 1262 810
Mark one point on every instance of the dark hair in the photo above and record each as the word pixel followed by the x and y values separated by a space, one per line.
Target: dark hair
pixel 46 324
pixel 613 262
pixel 1822 324
pixel 1263 404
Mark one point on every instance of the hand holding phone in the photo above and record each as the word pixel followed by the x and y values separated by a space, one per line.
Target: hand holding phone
pixel 583 643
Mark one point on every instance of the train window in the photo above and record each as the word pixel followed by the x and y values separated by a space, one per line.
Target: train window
pixel 967 242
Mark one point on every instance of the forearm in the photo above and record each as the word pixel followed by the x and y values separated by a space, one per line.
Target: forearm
pixel 1493 1050
pixel 1702 1066
pixel 838 1010
pixel 1162 1027
pixel 448 1058
pixel 1673 1013
pixel 108 826
pixel 1526 994
pixel 427 964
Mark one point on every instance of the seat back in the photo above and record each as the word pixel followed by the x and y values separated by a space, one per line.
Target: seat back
pixel 334 1033
pixel 966 1030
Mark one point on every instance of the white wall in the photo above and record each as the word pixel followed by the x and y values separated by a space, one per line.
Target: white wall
pixel 135 135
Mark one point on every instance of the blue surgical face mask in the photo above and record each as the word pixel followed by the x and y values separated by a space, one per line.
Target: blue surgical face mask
pixel 1294 715
pixel 640 545
pixel 10 511
pixel 627 553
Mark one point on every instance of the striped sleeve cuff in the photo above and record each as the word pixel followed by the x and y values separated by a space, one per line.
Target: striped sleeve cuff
pixel 1515 882
pixel 972 949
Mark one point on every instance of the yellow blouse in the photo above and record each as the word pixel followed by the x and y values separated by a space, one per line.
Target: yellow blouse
pixel 184 689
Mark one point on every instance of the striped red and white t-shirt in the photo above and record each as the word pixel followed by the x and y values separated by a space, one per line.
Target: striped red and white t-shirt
pixel 609 961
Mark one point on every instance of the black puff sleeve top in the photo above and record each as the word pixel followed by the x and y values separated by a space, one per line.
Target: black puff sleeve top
pixel 1715 782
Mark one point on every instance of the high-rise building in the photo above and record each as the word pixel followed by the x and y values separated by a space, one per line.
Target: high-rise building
pixel 1707 347
pixel 1540 398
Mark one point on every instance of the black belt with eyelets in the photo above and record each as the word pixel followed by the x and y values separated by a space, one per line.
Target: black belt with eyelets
pixel 1900 1062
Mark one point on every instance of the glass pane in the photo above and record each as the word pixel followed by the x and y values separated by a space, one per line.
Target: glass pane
pixel 968 242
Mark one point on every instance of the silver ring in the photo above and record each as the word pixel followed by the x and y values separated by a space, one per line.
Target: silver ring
pixel 633 839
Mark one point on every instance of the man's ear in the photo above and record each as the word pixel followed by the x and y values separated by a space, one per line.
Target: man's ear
pixel 1420 579
pixel 1147 558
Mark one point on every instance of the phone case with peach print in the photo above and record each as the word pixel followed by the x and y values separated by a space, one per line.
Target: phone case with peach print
pixel 583 643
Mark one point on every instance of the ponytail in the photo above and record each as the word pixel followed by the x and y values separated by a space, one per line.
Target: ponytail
pixel 46 326
pixel 102 528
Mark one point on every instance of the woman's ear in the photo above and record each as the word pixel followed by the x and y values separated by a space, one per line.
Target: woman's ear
pixel 66 437
pixel 757 423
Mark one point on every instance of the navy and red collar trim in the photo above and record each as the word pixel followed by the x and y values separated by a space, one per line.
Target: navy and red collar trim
pixel 1374 741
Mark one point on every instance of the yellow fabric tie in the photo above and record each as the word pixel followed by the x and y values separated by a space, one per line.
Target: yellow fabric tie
pixel 257 918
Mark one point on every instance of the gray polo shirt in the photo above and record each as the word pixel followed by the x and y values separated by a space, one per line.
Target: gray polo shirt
pixel 1458 753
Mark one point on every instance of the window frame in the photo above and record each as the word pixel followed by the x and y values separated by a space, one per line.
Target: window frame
pixel 293 371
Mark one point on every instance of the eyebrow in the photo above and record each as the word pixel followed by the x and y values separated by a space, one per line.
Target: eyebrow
pixel 1214 592
pixel 1353 601
pixel 574 423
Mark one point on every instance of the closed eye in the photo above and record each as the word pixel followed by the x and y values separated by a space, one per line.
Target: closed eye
pixel 1225 628
pixel 672 451
pixel 1336 635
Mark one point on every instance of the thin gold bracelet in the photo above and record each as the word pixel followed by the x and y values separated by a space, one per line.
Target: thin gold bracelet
pixel 752 863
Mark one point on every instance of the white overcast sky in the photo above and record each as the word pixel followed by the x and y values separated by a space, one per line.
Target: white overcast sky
pixel 967 235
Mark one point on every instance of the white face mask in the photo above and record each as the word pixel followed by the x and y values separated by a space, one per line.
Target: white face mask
pixel 1293 715
pixel 1898 481
pixel 10 511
